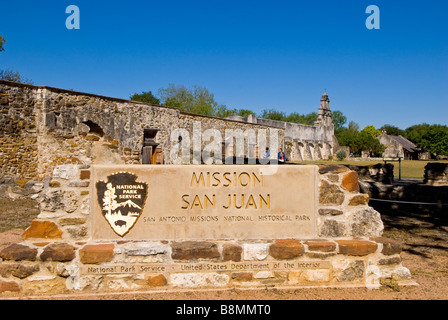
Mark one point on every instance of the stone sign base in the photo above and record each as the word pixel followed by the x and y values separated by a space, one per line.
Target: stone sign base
pixel 59 255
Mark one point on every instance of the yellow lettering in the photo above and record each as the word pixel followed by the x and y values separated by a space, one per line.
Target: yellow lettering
pixel 242 201
pixel 248 179
pixel 207 199
pixel 216 179
pixel 196 202
pixel 266 202
pixel 251 202
pixel 254 177
pixel 227 179
pixel 187 204
pixel 194 178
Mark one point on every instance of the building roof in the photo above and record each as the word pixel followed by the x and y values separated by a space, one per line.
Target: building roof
pixel 407 145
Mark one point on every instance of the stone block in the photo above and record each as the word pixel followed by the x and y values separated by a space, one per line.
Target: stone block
pixel 145 249
pixel 316 275
pixel 18 252
pixel 194 280
pixel 356 247
pixel 66 171
pixel 355 271
pixel 321 246
pixel 232 253
pixel 18 270
pixel 79 183
pixel 390 246
pixel 286 249
pixel 389 261
pixel 11 286
pixel 332 228
pixel 366 223
pixel 84 175
pixel 255 251
pixel 157 281
pixel 61 252
pixel 242 276
pixel 91 254
pixel 71 221
pixel 263 275
pixel 361 199
pixel 330 212
pixel 42 230
pixel 350 182
pixel 332 168
pixel 194 250
pixel 330 194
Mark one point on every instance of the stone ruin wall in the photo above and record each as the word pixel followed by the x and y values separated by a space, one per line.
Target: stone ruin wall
pixel 18 131
pixel 46 127
pixel 57 254
pixel 302 142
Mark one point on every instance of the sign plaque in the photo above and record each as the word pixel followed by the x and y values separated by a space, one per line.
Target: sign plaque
pixel 203 202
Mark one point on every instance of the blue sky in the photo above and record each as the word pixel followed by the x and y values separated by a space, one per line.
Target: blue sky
pixel 250 54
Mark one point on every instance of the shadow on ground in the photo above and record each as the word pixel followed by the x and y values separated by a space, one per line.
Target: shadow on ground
pixel 421 228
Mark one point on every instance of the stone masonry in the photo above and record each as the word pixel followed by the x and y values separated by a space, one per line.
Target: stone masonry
pixel 58 255
pixel 43 127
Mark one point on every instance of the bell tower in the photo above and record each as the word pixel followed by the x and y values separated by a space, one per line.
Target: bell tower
pixel 324 112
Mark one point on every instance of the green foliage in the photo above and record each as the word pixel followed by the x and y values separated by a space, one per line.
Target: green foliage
pixel 294 117
pixel 197 101
pixel 223 112
pixel 338 119
pixel 2 42
pixel 430 138
pixel 341 155
pixel 392 130
pixel 147 97
pixel 372 131
pixel 11 75
pixel 273 114
pixel 359 141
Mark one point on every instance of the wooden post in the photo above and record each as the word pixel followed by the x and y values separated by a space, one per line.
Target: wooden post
pixel 147 155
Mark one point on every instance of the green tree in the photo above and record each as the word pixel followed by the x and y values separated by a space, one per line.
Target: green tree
pixel 365 141
pixel 430 138
pixel 338 119
pixel 392 130
pixel 2 42
pixel 273 114
pixel 245 112
pixel 11 75
pixel 197 101
pixel 177 97
pixel 371 130
pixel 147 97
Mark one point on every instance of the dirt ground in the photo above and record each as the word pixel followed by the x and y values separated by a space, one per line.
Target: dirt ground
pixel 423 233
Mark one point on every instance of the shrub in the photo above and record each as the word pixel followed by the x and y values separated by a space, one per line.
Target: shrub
pixel 341 155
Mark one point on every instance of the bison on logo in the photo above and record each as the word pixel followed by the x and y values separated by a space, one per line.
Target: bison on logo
pixel 122 199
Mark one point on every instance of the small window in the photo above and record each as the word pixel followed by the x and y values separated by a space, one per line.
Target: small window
pixel 94 128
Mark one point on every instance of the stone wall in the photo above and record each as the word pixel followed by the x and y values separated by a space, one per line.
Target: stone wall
pixel 59 255
pixel 18 138
pixel 379 172
pixel 45 127
pixel 304 142
pixel 436 174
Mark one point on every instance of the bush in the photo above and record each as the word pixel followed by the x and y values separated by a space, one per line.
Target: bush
pixel 341 155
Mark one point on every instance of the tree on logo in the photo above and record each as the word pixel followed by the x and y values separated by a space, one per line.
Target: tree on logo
pixel 109 202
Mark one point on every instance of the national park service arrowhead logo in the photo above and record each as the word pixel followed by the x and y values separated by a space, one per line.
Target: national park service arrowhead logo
pixel 122 199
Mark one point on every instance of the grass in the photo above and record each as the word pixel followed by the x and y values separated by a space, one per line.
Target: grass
pixel 414 169
pixel 17 214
